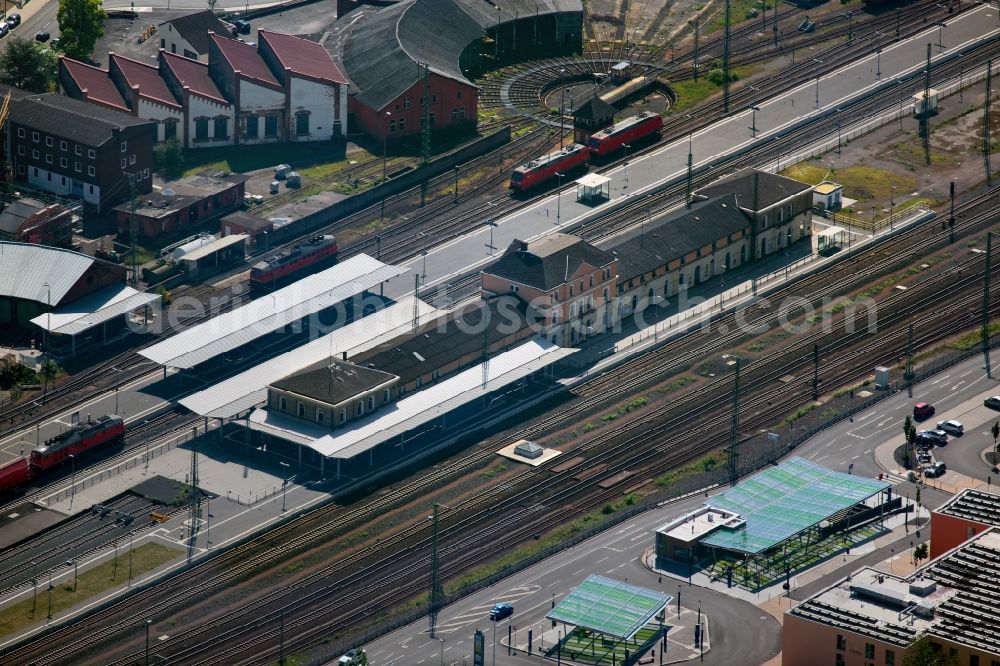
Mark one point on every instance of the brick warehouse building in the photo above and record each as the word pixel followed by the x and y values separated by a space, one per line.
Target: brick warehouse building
pixel 77 149
pixel 384 52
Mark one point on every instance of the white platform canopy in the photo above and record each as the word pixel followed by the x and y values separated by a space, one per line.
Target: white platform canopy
pixel 593 186
pixel 93 310
pixel 214 246
pixel 415 410
pixel 241 392
pixel 270 313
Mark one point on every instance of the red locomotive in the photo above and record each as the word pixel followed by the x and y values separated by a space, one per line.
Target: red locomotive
pixel 610 140
pixel 545 167
pixel 79 439
pixel 267 272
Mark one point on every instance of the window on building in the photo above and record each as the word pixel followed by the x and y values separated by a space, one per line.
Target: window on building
pixel 407 103
pixel 839 660
pixel 20 169
pixel 91 189
pixel 78 150
pixel 200 129
pixel 35 155
pixel 392 126
pixel 513 287
pixel 386 396
pixel 77 167
pixel 572 310
pixel 371 402
pixel 420 382
pixel 606 299
pixel 91 154
pixel 282 404
pixel 20 150
pixel 20 132
pixel 432 118
pixel 591 280
pixel 765 222
pixel 253 126
pixel 36 172
pixel 64 180
pixel 169 129
pixel 48 158
pixel 301 410
pixel 221 127
pixel 124 146
pixel 124 162
pixel 270 127
pixel 458 114
pixel 34 137
pixel 343 415
pixel 571 290
pixel 48 141
pixel 145 174
pixel 402 124
pixel 63 146
pixel 360 408
pixel 63 162
pixel 319 415
pixel 973 660
pixel 869 651
pixel 131 160
pixel 302 123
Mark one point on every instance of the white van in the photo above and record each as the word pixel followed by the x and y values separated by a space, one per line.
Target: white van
pixel 953 428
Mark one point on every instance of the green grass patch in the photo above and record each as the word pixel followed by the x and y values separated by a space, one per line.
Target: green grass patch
pixel 798 413
pixel 629 406
pixel 913 153
pixel 91 583
pixel 690 93
pixel 589 427
pixel 677 384
pixel 493 471
pixel 975 338
pixel 251 158
pixel 706 463
pixel 860 182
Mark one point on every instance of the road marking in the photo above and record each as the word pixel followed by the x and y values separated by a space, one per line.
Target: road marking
pixel 868 451
pixel 955 387
pixel 823 458
pixel 844 448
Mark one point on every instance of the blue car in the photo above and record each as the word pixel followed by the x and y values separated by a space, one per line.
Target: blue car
pixel 500 611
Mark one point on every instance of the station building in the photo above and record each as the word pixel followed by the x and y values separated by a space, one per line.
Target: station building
pixel 570 282
pixel 871 618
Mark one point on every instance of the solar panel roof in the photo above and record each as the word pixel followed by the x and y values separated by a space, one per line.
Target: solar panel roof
pixel 782 501
pixel 609 607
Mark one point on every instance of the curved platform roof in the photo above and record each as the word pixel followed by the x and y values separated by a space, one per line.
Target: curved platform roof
pixel 93 310
pixel 271 312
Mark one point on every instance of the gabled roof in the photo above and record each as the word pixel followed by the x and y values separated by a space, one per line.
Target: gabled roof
pixel 302 56
pixel 151 84
pixel 194 28
pixel 193 74
pixel 771 188
pixel 245 59
pixel 94 82
pixel 678 234
pixel 594 108
pixel 70 118
pixel 547 262
pixel 332 381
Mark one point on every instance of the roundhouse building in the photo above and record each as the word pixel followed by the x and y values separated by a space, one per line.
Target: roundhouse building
pixel 387 52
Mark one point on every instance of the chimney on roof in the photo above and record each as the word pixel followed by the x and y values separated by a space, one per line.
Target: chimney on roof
pixel 344 355
pixel 520 245
pixel 135 100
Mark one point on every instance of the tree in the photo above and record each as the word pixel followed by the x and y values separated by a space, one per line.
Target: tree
pixel 919 553
pixel 922 653
pixel 48 371
pixel 81 23
pixel 360 658
pixel 28 65
pixel 996 446
pixel 168 158
pixel 910 433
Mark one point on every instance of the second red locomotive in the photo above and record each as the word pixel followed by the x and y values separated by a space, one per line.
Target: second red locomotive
pixel 545 167
pixel 79 439
pixel 610 140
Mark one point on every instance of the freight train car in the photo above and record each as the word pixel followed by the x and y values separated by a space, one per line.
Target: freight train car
pixel 14 474
pixel 544 168
pixel 267 273
pixel 81 438
pixel 609 141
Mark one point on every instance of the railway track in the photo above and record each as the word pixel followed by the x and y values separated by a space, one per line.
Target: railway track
pixel 966 226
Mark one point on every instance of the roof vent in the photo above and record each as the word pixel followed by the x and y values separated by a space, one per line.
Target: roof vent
pixel 923 587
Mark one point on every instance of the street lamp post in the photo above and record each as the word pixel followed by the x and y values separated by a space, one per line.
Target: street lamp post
pixel 892 203
pixel 148 622
pixel 878 64
pixel 491 224
pixel 385 135
pixel 559 197
pixel 562 109
pixel 284 482
pixel 838 131
pixel 818 62
pixel 208 530
pixel 626 147
pixel 72 481
pixel 753 121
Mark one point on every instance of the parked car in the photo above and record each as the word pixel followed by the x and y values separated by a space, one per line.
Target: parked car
pixel 240 27
pixel 4 29
pixel 923 410
pixel 993 402
pixel 924 458
pixel 953 428
pixel 500 611
pixel 926 442
pixel 940 437
pixel 54 44
pixel 937 469
pixel 14 20
pixel 348 657
pixel 42 36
